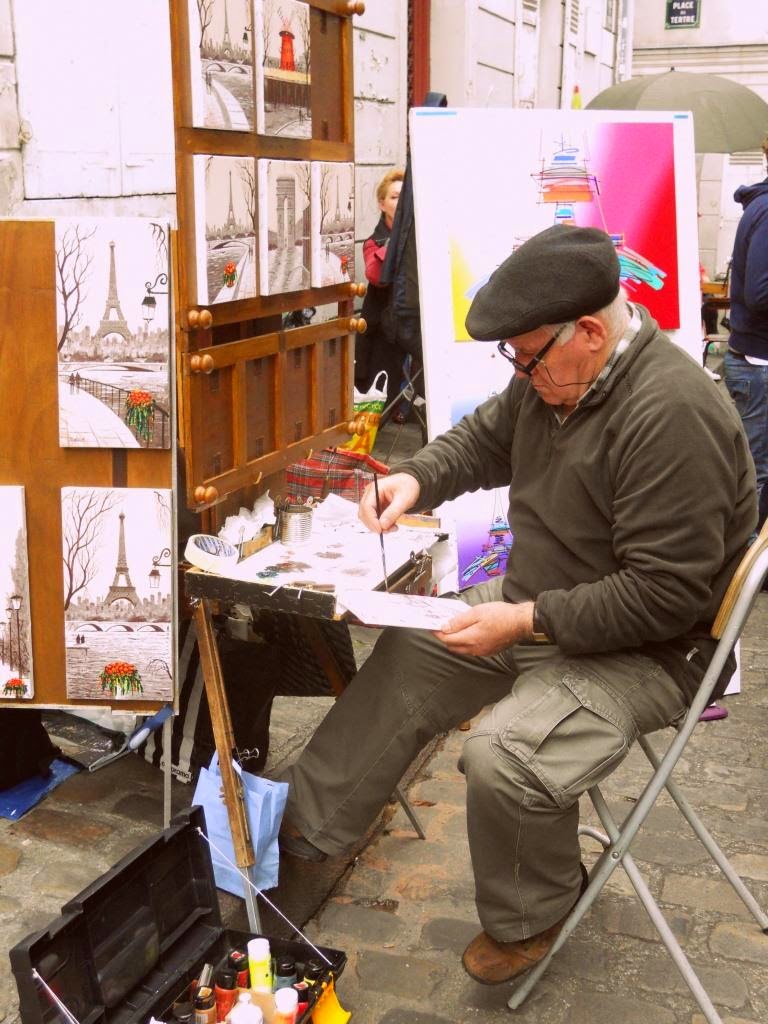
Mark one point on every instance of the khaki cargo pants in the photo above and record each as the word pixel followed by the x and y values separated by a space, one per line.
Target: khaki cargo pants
pixel 557 725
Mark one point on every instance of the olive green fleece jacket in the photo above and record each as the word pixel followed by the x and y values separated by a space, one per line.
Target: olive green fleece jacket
pixel 629 517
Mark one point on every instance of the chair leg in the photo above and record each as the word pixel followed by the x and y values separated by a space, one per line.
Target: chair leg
pixel 708 841
pixel 674 948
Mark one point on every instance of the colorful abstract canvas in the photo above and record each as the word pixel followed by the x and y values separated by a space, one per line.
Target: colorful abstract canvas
pixel 16 676
pixel 283 77
pixel 333 223
pixel 225 228
pixel 221 52
pixel 284 225
pixel 113 333
pixel 118 593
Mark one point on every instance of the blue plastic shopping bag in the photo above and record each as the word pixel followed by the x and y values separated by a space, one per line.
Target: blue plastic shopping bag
pixel 265 803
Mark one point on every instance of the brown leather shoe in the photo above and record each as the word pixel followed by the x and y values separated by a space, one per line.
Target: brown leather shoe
pixel 491 962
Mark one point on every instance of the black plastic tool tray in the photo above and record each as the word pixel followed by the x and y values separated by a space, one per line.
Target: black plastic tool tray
pixel 128 945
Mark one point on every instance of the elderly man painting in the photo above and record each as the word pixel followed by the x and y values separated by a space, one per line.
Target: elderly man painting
pixel 632 498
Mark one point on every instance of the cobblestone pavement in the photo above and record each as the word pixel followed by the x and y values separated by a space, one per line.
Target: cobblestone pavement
pixel 403 909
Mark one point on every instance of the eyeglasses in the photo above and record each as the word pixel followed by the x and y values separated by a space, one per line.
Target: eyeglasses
pixel 530 366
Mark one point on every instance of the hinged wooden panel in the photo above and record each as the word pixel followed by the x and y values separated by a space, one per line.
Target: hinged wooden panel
pixel 30 455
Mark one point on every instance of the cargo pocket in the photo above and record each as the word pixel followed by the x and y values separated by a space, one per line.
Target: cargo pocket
pixel 566 735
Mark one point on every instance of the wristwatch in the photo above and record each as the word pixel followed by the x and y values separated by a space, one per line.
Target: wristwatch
pixel 538 636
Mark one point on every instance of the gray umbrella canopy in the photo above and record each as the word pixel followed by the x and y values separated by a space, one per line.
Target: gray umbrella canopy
pixel 727 117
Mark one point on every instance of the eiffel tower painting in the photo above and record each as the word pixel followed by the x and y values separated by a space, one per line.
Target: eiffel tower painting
pixel 122 589
pixel 119 324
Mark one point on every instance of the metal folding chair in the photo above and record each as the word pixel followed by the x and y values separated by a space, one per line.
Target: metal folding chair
pixel 727 628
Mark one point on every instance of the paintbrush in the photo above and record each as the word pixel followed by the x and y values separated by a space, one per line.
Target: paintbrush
pixel 381 535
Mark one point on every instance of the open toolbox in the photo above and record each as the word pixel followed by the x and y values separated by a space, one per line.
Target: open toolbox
pixel 129 945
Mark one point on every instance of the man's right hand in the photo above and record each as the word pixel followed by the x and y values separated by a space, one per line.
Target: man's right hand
pixel 398 493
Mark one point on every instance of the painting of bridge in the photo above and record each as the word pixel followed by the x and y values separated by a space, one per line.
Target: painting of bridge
pixel 221 44
pixel 283 69
pixel 333 223
pixel 285 242
pixel 118 605
pixel 225 228
pixel 113 333
pixel 16 677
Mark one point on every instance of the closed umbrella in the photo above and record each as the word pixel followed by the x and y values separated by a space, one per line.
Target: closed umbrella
pixel 727 117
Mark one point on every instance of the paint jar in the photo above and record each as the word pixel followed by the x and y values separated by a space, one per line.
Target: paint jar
pixel 183 1013
pixel 285 972
pixel 313 971
pixel 225 991
pixel 238 962
pixel 295 524
pixel 302 990
pixel 205 1006
pixel 260 964
pixel 245 1012
pixel 286 1006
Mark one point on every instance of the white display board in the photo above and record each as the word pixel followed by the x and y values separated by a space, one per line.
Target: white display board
pixel 486 180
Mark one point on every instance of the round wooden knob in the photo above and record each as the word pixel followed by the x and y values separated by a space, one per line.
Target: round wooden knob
pixel 202 364
pixel 361 326
pixel 356 7
pixel 210 494
pixel 361 289
pixel 199 495
pixel 193 319
pixel 352 323
pixel 206 318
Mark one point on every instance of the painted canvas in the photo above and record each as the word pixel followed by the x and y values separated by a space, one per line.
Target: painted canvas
pixel 283 76
pixel 284 227
pixel 333 223
pixel 113 333
pixel 221 45
pixel 16 676
pixel 118 605
pixel 630 173
pixel 225 228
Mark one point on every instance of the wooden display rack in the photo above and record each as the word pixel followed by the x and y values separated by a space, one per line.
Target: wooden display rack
pixel 30 454
pixel 254 397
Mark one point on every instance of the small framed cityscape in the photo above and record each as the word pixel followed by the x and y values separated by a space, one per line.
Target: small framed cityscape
pixel 118 593
pixel 113 332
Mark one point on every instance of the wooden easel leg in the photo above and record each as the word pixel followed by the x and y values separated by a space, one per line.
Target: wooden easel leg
pixel 224 738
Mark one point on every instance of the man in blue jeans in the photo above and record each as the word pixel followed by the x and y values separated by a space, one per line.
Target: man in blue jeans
pixel 746 361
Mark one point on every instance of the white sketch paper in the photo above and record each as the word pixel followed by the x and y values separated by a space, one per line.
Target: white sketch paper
pixel 113 332
pixel 118 603
pixel 284 226
pixel 283 75
pixel 333 223
pixel 225 228
pixel 413 611
pixel 221 52
pixel 16 676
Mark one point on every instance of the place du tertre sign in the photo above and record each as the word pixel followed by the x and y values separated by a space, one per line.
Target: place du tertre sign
pixel 682 14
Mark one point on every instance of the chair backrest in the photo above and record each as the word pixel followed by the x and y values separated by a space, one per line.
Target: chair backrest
pixel 738 581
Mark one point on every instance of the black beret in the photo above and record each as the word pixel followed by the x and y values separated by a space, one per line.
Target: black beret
pixel 558 275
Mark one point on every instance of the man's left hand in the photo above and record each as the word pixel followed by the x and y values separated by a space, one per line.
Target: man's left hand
pixel 488 628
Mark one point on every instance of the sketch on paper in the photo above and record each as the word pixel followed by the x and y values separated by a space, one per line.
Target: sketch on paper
pixel 284 227
pixel 118 608
pixel 16 678
pixel 113 333
pixel 333 223
pixel 221 44
pixel 283 77
pixel 225 228
pixel 411 611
